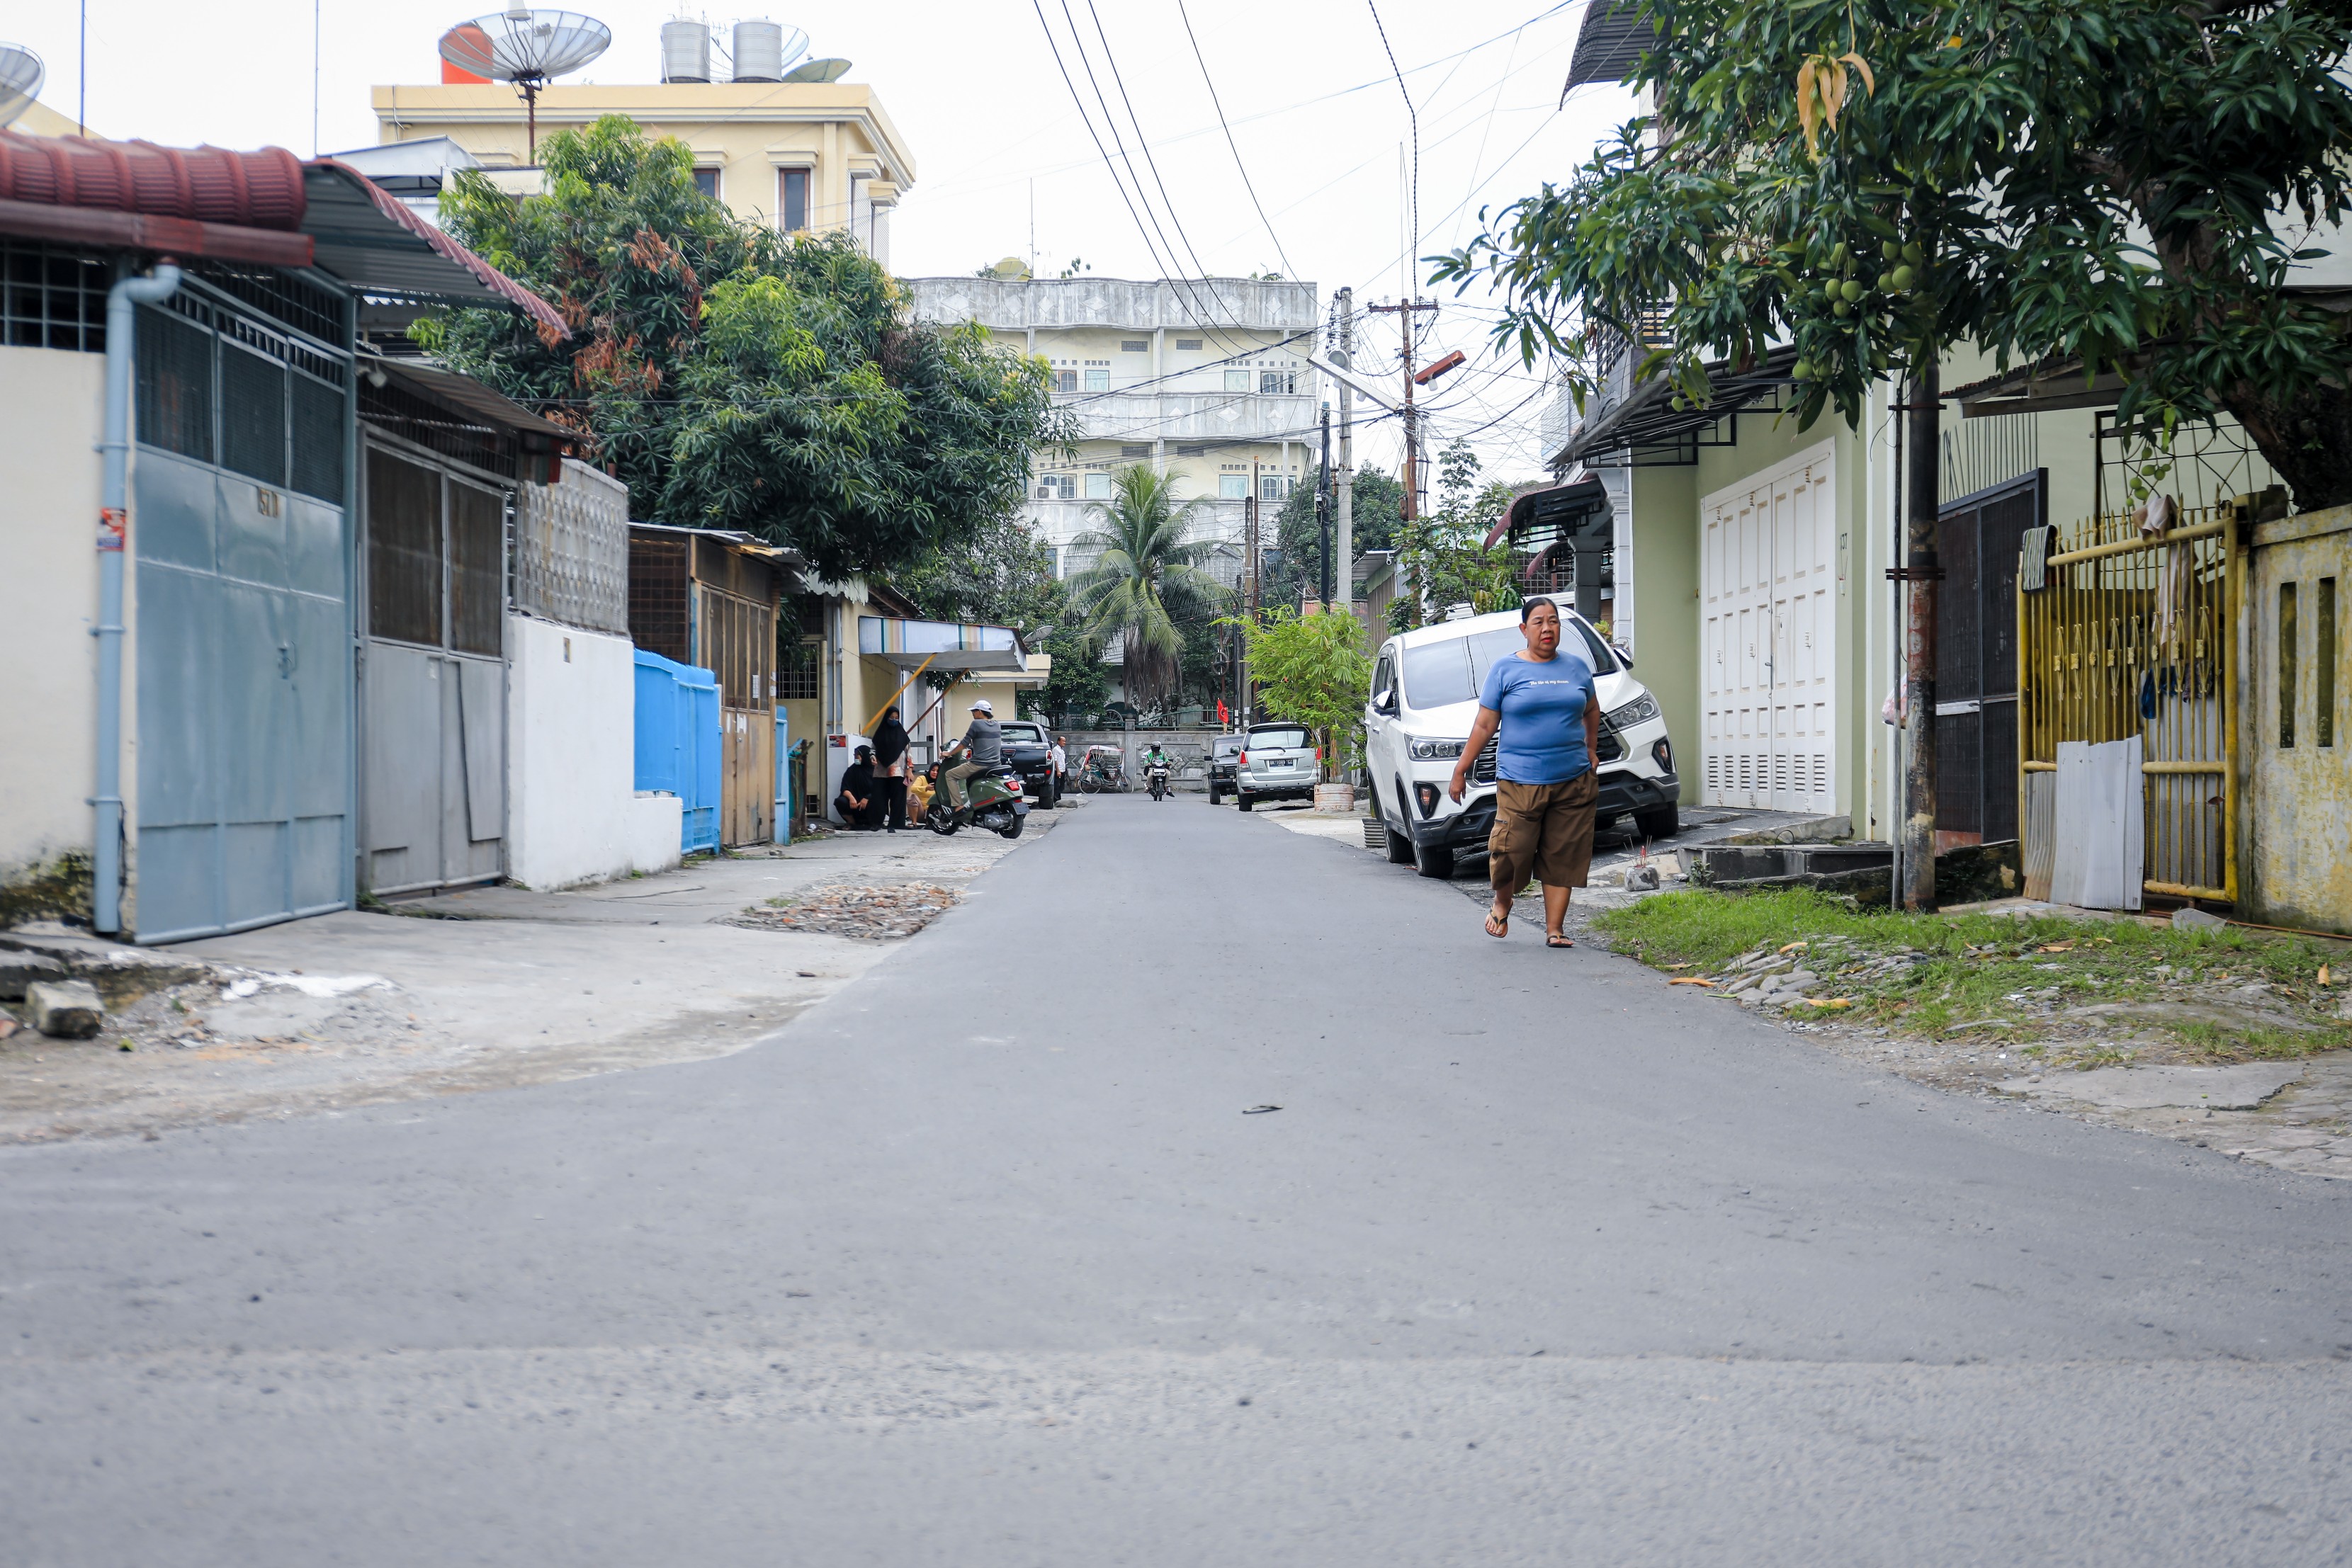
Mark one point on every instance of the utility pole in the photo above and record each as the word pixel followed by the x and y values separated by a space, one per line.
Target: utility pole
pixel 1249 600
pixel 1323 514
pixel 1341 344
pixel 1404 311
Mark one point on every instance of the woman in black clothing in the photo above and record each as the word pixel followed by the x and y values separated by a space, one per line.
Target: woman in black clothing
pixel 890 767
pixel 857 805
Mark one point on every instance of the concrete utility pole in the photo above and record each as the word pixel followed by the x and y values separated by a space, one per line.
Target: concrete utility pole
pixel 1342 342
pixel 1323 515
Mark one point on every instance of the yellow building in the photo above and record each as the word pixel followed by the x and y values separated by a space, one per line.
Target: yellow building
pixel 802 155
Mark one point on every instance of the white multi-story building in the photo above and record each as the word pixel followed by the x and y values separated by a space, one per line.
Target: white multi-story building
pixel 1206 380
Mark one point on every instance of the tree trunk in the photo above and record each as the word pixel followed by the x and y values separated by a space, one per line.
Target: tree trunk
pixel 1922 476
pixel 2307 438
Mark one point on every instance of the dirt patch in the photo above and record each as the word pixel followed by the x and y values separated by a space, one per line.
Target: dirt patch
pixel 865 912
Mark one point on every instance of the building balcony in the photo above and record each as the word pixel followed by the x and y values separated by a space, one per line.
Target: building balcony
pixel 1192 418
pixel 1017 305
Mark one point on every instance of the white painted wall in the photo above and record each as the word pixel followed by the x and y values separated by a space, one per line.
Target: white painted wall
pixel 50 408
pixel 572 814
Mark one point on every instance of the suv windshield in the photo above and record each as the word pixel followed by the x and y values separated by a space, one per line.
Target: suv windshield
pixel 1277 740
pixel 1437 673
pixel 1027 734
pixel 1228 746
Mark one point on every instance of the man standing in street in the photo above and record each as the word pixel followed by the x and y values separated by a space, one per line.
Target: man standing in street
pixel 984 748
pixel 1061 761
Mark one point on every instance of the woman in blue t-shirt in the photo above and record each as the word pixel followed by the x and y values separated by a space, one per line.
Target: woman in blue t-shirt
pixel 1543 703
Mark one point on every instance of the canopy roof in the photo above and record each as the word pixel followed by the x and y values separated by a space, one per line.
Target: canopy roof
pixel 945 645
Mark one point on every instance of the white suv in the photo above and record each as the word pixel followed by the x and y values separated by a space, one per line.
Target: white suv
pixel 1425 694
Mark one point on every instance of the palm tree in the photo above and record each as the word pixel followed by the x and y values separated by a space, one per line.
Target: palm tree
pixel 1147 575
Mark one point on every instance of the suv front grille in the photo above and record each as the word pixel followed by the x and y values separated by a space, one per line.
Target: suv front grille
pixel 1483 770
pixel 1613 748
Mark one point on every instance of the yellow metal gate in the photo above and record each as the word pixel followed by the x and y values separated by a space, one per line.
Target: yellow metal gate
pixel 2133 633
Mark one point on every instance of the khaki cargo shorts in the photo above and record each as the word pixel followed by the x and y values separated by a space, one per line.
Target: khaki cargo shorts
pixel 1542 829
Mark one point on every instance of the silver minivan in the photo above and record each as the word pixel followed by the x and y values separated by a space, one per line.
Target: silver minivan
pixel 1424 695
pixel 1278 762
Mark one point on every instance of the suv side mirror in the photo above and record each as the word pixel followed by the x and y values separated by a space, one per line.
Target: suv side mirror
pixel 1623 656
pixel 1385 701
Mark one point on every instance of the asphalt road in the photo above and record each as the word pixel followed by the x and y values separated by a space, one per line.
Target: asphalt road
pixel 983 1262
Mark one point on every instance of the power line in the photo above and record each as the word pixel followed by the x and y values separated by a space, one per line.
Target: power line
pixel 1413 118
pixel 1288 271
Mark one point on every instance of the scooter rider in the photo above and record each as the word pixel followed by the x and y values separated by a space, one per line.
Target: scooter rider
pixel 1153 758
pixel 982 747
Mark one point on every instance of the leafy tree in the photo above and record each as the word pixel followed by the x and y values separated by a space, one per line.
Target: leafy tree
pixel 1313 669
pixel 2124 180
pixel 1001 573
pixel 737 378
pixel 1078 682
pixel 1443 558
pixel 1374 513
pixel 1147 579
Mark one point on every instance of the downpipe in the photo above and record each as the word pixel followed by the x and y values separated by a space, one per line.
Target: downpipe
pixel 113 520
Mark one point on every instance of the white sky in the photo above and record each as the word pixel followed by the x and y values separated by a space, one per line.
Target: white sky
pixel 976 93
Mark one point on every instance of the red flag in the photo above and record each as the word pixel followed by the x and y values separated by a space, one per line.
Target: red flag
pixel 1220 712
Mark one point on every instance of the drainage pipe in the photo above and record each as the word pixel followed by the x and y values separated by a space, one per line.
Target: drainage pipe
pixel 114 502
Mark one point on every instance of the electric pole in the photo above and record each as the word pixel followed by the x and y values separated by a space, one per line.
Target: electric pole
pixel 1404 311
pixel 1340 341
pixel 1919 574
pixel 1323 514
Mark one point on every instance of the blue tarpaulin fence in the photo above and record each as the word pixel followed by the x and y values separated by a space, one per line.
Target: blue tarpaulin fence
pixel 677 742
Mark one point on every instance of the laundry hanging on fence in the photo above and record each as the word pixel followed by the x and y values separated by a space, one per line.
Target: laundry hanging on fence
pixel 2158 515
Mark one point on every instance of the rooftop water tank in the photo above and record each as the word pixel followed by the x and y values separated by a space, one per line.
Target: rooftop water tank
pixel 686 51
pixel 764 51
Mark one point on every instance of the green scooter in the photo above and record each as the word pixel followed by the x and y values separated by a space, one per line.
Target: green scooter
pixel 992 800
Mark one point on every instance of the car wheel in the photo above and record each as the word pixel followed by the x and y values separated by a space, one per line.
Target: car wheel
pixel 1215 798
pixel 1247 801
pixel 1663 824
pixel 1399 845
pixel 1432 859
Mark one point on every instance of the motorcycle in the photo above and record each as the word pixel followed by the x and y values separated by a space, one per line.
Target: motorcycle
pixel 1157 775
pixel 993 801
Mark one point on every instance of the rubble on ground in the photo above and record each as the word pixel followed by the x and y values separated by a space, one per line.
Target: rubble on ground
pixel 867 912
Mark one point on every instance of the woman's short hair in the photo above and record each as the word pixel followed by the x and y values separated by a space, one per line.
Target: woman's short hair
pixel 1528 608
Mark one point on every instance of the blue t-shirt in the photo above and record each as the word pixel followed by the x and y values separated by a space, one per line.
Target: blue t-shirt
pixel 1543 737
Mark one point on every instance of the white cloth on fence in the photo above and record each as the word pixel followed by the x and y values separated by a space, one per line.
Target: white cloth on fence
pixel 2158 516
pixel 2100 836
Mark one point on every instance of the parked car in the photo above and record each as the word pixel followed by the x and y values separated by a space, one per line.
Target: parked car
pixel 1029 751
pixel 1277 761
pixel 1222 752
pixel 1424 695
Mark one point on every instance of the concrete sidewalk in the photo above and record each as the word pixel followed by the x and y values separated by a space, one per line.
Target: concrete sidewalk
pixel 487 987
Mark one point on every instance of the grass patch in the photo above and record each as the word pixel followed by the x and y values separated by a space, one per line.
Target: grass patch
pixel 2000 978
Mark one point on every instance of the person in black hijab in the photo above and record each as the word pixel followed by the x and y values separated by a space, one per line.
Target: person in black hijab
pixel 890 767
pixel 859 804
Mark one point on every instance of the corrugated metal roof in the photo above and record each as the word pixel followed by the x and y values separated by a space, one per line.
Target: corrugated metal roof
pixel 369 238
pixel 1612 39
pixel 261 190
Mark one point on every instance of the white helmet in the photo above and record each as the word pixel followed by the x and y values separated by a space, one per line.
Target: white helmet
pixel 984 705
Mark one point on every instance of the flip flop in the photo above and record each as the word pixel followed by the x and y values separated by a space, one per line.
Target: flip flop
pixel 1493 929
pixel 1556 939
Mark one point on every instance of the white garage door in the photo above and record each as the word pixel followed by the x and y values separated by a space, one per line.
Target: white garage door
pixel 1768 584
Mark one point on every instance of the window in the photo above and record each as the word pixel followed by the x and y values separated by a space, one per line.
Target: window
pixel 1237 381
pixel 1136 449
pixel 1187 345
pixel 1135 345
pixel 1056 487
pixel 1192 451
pixel 792 199
pixel 706 182
pixel 2287 633
pixel 2324 665
pixel 1281 382
pixel 1066 380
pixel 1098 381
pixel 796 682
pixel 1233 486
pixel 1099 485
pixel 1383 675
pixel 1269 487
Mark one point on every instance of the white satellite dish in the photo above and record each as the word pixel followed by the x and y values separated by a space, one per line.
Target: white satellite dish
pixel 819 70
pixel 21 75
pixel 526 48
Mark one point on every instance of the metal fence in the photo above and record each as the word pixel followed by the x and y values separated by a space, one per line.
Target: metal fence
pixel 571 550
pixel 2132 633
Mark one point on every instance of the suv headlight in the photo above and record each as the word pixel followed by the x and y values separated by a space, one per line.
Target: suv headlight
pixel 1641 710
pixel 1434 750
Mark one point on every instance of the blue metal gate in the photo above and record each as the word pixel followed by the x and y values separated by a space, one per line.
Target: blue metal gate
pixel 677 742
pixel 244 653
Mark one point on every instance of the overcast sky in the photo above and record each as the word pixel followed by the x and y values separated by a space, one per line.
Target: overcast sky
pixel 976 90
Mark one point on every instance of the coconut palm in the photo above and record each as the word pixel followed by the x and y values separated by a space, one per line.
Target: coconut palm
pixel 1147 573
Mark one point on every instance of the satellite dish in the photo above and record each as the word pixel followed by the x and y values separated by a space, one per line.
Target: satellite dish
pixel 526 48
pixel 21 75
pixel 819 70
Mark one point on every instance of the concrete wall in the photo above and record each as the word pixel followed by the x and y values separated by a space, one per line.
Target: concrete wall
pixel 570 763
pixel 50 417
pixel 1666 608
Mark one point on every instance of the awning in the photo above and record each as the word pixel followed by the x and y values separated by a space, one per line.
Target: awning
pixel 1612 39
pixel 1650 427
pixel 944 645
pixel 465 392
pixel 368 237
pixel 1545 515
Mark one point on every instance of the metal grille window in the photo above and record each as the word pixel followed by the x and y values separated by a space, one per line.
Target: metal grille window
pixel 403 531
pixel 736 647
pixel 390 407
pixel 303 306
pixel 52 298
pixel 318 439
pixel 796 682
pixel 253 415
pixel 1135 449
pixel 1187 345
pixel 477 553
pixel 175 386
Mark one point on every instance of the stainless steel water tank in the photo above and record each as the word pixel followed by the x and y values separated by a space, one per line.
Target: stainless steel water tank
pixel 765 50
pixel 686 51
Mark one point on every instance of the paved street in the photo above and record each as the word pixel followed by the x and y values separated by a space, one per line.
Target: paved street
pixel 981 1261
